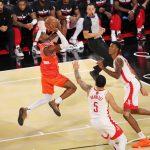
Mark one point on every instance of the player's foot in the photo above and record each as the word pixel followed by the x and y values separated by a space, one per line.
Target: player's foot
pixel 93 75
pixel 22 115
pixel 19 52
pixel 55 107
pixel 142 143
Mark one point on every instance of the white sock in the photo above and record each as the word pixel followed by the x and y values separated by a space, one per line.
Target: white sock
pixel 79 28
pixel 122 142
pixel 17 46
pixel 139 30
pixel 113 35
pixel 118 32
pixel 58 100
pixel 45 99
pixel 34 43
pixel 141 135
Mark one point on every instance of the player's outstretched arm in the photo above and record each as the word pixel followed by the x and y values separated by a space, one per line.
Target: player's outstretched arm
pixel 82 84
pixel 113 104
pixel 115 74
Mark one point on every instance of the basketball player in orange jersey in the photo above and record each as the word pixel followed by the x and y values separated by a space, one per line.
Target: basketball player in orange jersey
pixel 99 99
pixel 50 77
pixel 132 87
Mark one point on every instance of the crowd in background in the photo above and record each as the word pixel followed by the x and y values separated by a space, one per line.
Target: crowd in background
pixel 20 20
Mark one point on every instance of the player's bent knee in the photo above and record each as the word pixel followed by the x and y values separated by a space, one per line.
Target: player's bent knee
pixel 70 85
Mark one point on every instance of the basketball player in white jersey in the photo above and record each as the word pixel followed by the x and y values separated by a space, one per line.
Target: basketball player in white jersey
pixel 132 87
pixel 99 99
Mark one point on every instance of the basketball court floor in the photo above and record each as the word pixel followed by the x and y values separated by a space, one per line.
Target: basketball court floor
pixel 43 130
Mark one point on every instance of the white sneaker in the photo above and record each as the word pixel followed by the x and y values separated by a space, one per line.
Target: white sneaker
pixel 18 52
pixel 35 50
pixel 73 41
pixel 79 47
pixel 113 37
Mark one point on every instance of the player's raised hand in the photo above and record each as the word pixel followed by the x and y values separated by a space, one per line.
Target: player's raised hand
pixel 144 91
pixel 75 65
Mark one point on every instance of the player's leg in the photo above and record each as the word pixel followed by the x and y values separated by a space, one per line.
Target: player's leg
pixel 70 87
pixel 17 38
pixel 131 103
pixel 100 48
pixel 115 26
pixel 140 20
pixel 79 27
pixel 141 111
pixel 122 141
pixel 24 111
pixel 112 144
pixel 133 123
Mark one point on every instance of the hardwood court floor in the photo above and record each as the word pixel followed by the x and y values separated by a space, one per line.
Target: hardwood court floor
pixel 43 130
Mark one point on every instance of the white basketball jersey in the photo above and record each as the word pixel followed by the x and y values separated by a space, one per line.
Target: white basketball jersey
pixel 126 74
pixel 98 106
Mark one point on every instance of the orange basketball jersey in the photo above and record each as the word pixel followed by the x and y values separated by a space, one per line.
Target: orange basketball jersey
pixel 49 64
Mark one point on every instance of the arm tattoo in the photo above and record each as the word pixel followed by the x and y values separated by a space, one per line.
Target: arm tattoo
pixel 117 72
pixel 77 75
pixel 82 84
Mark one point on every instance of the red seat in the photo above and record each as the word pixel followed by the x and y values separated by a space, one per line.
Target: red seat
pixel 4 52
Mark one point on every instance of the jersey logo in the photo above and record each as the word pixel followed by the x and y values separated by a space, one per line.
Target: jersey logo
pixel 46 62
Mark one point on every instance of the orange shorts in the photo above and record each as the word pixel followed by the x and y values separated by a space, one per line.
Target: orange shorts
pixel 48 83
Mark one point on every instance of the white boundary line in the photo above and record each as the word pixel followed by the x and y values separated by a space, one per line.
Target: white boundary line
pixel 61 131
pixel 35 78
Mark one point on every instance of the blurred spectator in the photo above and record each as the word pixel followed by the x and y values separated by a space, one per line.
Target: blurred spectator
pixel 130 10
pixel 23 20
pixel 68 13
pixel 82 4
pixel 103 9
pixel 144 5
pixel 6 28
pixel 43 9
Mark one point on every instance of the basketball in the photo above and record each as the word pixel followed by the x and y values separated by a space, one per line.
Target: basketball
pixel 51 23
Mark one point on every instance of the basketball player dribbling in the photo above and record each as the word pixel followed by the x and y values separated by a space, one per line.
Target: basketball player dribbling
pixel 132 87
pixel 50 75
pixel 99 99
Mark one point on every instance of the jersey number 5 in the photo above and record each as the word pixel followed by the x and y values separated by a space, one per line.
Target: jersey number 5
pixel 95 106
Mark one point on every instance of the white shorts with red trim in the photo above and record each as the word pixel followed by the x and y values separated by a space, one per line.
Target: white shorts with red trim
pixel 131 90
pixel 107 128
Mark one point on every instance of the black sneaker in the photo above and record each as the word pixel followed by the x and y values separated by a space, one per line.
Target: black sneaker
pixel 55 107
pixel 93 75
pixel 22 115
